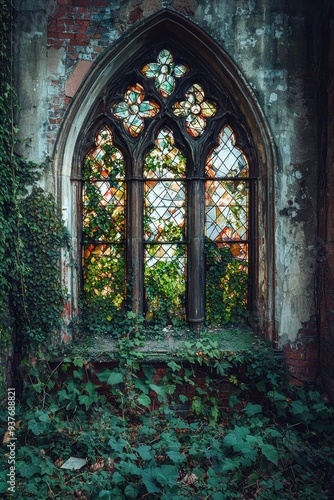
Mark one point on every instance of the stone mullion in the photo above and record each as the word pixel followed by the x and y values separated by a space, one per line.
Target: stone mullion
pixel 196 260
pixel 134 243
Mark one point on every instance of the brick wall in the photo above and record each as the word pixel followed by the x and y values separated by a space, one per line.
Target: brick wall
pixel 301 357
pixel 78 32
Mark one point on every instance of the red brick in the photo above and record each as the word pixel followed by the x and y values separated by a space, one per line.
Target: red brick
pixel 81 3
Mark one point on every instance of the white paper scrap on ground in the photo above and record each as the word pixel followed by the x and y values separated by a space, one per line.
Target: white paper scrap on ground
pixel 74 463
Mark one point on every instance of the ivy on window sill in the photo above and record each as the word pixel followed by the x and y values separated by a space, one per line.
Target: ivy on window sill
pixel 178 344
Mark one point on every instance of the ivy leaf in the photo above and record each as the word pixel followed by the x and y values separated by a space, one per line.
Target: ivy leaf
pixel 270 453
pixel 297 408
pixel 78 362
pixel 161 391
pixel 176 457
pixel 149 476
pixel 117 478
pixel 43 416
pixel 36 427
pixel 88 400
pixel 27 470
pixel 106 495
pixel 145 452
pixel 183 398
pixel 132 490
pixel 144 400
pixel 251 409
pixel 111 377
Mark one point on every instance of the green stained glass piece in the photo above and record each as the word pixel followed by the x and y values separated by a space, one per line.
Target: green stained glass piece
pixel 165 85
pixel 148 109
pixel 121 110
pixel 134 94
pixel 165 57
pixel 180 70
pixel 151 70
pixel 133 97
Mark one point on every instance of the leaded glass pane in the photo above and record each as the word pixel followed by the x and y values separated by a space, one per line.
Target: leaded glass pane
pixel 226 210
pixel 226 160
pixel 164 223
pixel 165 283
pixel 226 231
pixel 164 210
pixel 103 228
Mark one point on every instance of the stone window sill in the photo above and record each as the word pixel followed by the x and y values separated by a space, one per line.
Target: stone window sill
pixel 172 345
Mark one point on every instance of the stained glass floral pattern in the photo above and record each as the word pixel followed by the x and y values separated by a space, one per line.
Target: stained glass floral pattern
pixel 133 110
pixel 195 109
pixel 164 72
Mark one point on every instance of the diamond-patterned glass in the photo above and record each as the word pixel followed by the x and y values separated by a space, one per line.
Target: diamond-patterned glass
pixel 164 211
pixel 226 210
pixel 164 223
pixel 226 231
pixel 103 225
pixel 226 160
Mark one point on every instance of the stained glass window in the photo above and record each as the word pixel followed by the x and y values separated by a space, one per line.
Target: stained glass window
pixel 166 228
pixel 226 228
pixel 164 72
pixel 103 227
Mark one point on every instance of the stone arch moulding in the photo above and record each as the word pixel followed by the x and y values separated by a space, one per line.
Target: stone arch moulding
pixel 171 27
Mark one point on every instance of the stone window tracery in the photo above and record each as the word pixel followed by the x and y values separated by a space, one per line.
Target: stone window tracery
pixel 166 197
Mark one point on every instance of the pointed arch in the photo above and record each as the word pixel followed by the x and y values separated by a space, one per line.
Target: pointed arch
pixel 106 81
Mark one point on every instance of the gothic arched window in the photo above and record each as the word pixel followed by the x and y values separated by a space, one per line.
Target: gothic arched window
pixel 168 174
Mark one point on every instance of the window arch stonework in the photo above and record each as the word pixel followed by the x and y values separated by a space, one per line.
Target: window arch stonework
pixel 165 86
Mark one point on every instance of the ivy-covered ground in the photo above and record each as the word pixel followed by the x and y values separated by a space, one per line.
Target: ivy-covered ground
pixel 142 437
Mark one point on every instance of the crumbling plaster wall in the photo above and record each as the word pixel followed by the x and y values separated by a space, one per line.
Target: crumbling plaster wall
pixel 57 42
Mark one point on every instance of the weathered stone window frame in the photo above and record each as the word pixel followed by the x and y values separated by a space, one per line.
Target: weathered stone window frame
pixel 225 84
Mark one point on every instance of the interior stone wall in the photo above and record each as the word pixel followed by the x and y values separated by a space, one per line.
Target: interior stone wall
pixel 58 42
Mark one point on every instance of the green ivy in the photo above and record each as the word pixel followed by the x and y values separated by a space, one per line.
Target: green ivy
pixel 154 432
pixel 31 296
